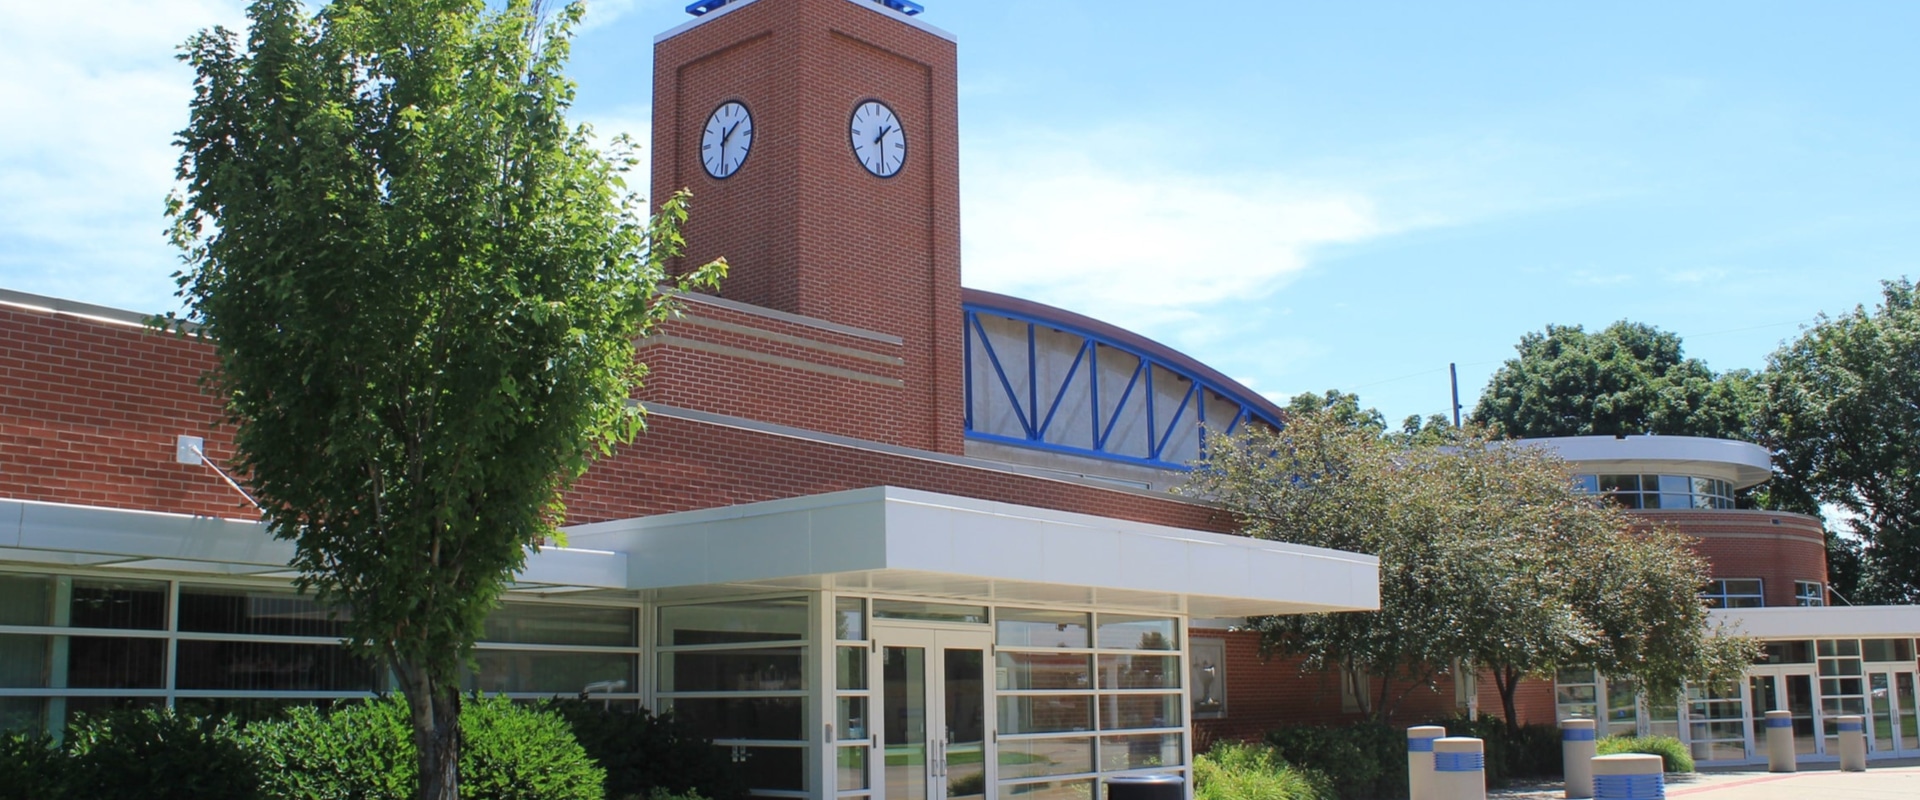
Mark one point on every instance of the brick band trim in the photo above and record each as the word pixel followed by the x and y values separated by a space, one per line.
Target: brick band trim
pixel 780 361
pixel 796 341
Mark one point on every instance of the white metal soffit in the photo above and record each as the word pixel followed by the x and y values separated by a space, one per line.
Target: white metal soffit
pixel 1744 463
pixel 1830 622
pixel 70 535
pixel 890 540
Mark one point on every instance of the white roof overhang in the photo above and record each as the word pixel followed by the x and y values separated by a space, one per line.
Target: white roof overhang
pixel 901 541
pixel 1830 622
pixel 70 535
pixel 1743 463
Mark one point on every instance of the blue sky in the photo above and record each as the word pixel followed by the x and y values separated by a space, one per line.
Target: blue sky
pixel 1303 195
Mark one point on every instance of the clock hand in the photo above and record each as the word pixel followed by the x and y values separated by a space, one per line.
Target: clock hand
pixel 883 134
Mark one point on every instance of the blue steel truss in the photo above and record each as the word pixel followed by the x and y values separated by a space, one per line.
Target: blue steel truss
pixel 1037 408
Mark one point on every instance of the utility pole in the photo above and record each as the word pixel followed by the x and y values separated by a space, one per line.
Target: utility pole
pixel 1453 372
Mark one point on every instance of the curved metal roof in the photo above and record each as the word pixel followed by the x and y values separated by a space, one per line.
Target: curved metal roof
pixel 1018 395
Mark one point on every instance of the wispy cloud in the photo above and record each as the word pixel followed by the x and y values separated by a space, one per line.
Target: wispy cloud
pixel 94 97
pixel 1133 243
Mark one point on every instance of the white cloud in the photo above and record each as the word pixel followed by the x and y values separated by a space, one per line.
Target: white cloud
pixel 93 97
pixel 1136 245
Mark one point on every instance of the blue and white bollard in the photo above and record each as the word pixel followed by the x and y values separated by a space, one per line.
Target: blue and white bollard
pixel 1853 742
pixel 1576 748
pixel 1780 752
pixel 1420 760
pixel 1629 776
pixel 1459 768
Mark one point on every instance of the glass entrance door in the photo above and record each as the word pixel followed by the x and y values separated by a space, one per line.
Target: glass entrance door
pixel 935 715
pixel 1775 689
pixel 1891 718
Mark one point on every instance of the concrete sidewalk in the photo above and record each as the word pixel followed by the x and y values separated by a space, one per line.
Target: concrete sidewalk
pixel 1884 780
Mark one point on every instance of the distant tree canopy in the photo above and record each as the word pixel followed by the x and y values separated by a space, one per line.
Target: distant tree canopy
pixel 1488 555
pixel 1344 407
pixel 1842 415
pixel 1630 378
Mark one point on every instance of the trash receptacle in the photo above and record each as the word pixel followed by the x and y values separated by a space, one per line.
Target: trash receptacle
pixel 1146 787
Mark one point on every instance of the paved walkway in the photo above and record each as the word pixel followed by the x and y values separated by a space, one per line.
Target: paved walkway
pixel 1883 780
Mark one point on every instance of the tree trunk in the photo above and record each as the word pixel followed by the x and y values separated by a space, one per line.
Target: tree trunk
pixel 1508 682
pixel 435 708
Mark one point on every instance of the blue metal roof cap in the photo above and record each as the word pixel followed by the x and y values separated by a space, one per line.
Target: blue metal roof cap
pixel 907 7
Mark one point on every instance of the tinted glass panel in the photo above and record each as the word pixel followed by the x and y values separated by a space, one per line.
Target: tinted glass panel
pixel 100 662
pixel 726 623
pixel 1139 672
pixel 776 768
pixel 26 600
pixel 24 661
pixel 93 662
pixel 762 670
pixel 139 605
pixel 1045 713
pixel 1119 632
pixel 740 717
pixel 262 666
pixel 1123 711
pixel 1140 752
pixel 850 618
pixel 1034 758
pixel 1045 671
pixel 1015 627
pixel 207 609
pixel 555 673
pixel 931 612
pixel 526 623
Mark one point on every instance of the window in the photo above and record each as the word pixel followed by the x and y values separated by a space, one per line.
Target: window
pixel 1209 667
pixel 1809 593
pixel 1659 491
pixel 1088 694
pixel 76 643
pixel 1734 593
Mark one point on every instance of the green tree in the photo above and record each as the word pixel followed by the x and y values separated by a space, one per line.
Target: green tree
pixel 1627 379
pixel 1486 557
pixel 1842 415
pixel 424 286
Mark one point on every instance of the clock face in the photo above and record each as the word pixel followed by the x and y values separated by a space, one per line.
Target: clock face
pixel 878 142
pixel 728 137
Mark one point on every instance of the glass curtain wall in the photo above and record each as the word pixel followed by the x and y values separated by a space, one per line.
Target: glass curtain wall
pixel 81 642
pixel 736 673
pixel 1814 680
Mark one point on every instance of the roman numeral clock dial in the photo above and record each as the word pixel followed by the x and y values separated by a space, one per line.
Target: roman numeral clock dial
pixel 878 142
pixel 727 139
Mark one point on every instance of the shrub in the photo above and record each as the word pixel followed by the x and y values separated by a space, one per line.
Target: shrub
pixel 1673 755
pixel 365 752
pixel 158 754
pixel 1365 760
pixel 645 754
pixel 513 752
pixel 359 750
pixel 31 768
pixel 1236 771
pixel 1532 752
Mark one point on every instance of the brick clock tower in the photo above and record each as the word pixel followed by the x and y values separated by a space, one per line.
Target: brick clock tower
pixel 819 138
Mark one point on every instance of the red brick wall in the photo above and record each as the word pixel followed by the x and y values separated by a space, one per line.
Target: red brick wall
pixel 89 413
pixel 738 362
pixel 1778 548
pixel 1266 694
pixel 806 229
